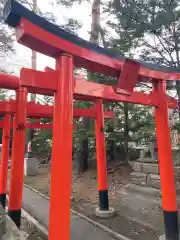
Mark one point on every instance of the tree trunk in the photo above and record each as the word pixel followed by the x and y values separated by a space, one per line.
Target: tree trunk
pixel 82 156
pixel 111 142
pixel 126 131
pixel 176 40
pixel 95 24
pixel 178 94
pixel 30 132
pixel 114 141
pixel 34 54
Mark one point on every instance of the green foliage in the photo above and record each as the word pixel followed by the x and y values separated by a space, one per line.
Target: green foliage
pixel 70 3
pixel 42 140
pixel 3 97
pixel 6 42
pixel 3 94
pixel 42 143
pixel 151 25
pixel 141 123
pixel 152 28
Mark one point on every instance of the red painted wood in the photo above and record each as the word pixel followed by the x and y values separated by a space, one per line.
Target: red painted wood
pixel 44 42
pixel 35 79
pixel 60 189
pixel 5 154
pixel 44 111
pixel 168 187
pixel 30 125
pixel 18 149
pixel 9 81
pixel 101 147
pixel 85 89
pixel 128 77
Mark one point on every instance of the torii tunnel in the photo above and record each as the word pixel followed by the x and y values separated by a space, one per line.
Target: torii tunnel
pixel 35 111
pixel 71 51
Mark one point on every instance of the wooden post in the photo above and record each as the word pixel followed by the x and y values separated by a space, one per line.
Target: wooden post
pixel 61 169
pixel 4 159
pixel 101 158
pixel 169 203
pixel 17 162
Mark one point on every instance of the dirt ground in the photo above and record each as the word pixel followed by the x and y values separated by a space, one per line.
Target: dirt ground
pixel 85 199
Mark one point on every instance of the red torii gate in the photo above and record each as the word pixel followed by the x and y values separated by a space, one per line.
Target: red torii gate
pixel 70 51
pixel 83 89
pixel 33 111
pixel 39 111
pixel 89 92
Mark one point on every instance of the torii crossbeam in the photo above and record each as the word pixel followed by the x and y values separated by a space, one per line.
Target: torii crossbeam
pixel 84 90
pixel 70 51
pixel 35 110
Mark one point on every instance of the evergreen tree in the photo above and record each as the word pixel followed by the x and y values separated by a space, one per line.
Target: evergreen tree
pixel 6 42
pixel 150 29
pixel 83 152
pixel 128 112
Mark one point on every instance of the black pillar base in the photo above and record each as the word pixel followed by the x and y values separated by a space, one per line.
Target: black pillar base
pixel 3 200
pixel 15 215
pixel 171 225
pixel 103 200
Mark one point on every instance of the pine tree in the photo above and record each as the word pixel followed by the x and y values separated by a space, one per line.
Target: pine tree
pixel 150 29
pixel 6 41
pixel 83 153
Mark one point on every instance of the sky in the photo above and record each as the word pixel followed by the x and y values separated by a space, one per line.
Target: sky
pixel 22 56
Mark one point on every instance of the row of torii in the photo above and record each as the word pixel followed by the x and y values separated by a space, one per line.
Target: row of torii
pixel 69 52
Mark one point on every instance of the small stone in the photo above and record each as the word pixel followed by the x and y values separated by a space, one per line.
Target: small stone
pixel 136 166
pixel 138 178
pixel 150 168
pixel 153 180
pixel 105 213
pixel 147 160
pixel 177 170
pixel 30 166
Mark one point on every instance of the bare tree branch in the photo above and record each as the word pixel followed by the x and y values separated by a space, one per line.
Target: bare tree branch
pixel 158 51
pixel 159 38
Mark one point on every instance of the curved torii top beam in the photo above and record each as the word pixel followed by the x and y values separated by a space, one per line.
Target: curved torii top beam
pixel 39 34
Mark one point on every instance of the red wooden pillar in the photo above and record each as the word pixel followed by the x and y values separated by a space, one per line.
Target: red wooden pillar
pixel 4 159
pixel 169 203
pixel 17 162
pixel 101 158
pixel 61 169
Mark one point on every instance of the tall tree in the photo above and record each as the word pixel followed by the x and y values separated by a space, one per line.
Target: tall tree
pixel 31 132
pixel 83 153
pixel 94 38
pixel 151 29
pixel 125 43
pixel 6 40
pixel 34 53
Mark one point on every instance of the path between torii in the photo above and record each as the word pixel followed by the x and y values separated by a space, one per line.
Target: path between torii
pixel 38 207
